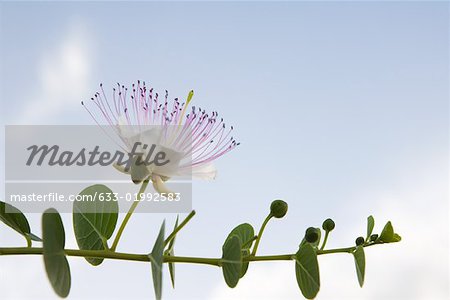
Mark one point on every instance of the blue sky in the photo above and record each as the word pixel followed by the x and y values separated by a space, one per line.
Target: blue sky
pixel 341 109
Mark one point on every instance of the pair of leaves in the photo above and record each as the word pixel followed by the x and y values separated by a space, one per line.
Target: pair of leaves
pixel 246 235
pixel 94 221
pixel 55 261
pixel 388 235
pixel 15 219
pixel 232 260
pixel 307 270
pixel 158 251
pixel 237 246
pixel 170 252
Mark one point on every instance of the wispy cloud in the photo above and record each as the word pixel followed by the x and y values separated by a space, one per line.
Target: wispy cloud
pixel 63 76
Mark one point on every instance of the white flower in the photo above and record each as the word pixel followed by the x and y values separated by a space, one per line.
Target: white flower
pixel 190 139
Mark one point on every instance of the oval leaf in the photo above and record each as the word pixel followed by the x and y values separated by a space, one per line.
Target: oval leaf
pixel 246 235
pixel 232 260
pixel 156 259
pixel 56 264
pixel 307 271
pixel 360 263
pixel 370 226
pixel 94 221
pixel 387 235
pixel 15 219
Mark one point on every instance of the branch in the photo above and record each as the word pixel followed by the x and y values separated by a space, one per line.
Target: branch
pixel 107 254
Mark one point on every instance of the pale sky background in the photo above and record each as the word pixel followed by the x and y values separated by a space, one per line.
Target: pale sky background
pixel 341 108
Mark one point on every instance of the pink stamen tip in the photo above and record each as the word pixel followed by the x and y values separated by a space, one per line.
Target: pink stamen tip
pixel 199 135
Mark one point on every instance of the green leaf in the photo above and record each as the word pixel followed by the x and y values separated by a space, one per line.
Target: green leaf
pixel 396 238
pixel 232 260
pixel 156 259
pixel 245 253
pixel 171 252
pixel 370 225
pixel 15 219
pixel 360 263
pixel 307 271
pixel 94 221
pixel 387 235
pixel 246 235
pixel 56 264
pixel 303 242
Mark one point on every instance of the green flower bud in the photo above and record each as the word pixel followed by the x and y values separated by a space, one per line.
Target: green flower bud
pixel 278 208
pixel 373 237
pixel 328 225
pixel 311 235
pixel 359 241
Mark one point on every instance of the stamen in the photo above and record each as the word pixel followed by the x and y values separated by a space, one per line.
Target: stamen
pixel 201 137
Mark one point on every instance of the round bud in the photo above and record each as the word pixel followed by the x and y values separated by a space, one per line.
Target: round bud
pixel 328 225
pixel 278 208
pixel 311 235
pixel 373 237
pixel 359 241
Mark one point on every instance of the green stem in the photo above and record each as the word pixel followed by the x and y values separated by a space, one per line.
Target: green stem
pixel 344 250
pixel 129 213
pixel 325 240
pixel 269 257
pixel 176 230
pixel 193 260
pixel 74 252
pixel 261 230
pixel 108 254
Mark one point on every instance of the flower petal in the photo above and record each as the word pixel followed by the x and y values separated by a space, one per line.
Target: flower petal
pixel 207 172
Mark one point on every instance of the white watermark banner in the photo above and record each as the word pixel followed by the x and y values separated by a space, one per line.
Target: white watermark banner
pixel 49 165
